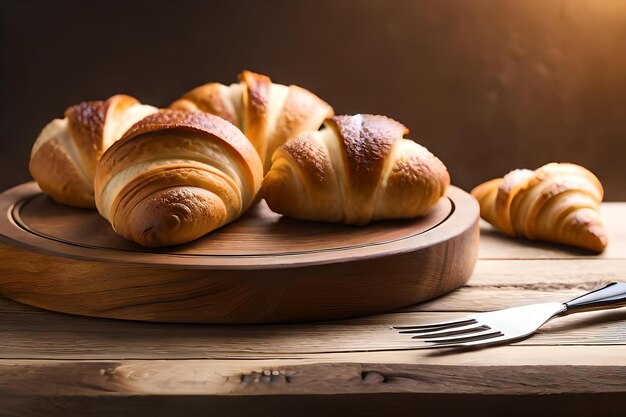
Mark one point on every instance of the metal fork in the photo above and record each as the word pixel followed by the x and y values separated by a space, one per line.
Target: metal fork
pixel 494 327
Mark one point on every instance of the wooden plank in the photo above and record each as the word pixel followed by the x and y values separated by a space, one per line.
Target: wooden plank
pixel 495 245
pixel 478 373
pixel 544 274
pixel 532 379
pixel 485 299
pixel 39 334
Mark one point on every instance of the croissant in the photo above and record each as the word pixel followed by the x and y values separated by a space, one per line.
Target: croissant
pixel 558 202
pixel 176 176
pixel 268 114
pixel 355 170
pixel 64 157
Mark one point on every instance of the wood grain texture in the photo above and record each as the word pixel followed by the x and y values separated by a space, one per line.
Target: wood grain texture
pixel 80 338
pixel 496 283
pixel 574 366
pixel 259 232
pixel 262 239
pixel 339 385
pixel 297 377
pixel 263 269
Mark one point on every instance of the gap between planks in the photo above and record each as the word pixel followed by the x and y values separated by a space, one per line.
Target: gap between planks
pixel 505 355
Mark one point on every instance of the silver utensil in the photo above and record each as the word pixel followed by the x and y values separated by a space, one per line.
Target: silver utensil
pixel 494 327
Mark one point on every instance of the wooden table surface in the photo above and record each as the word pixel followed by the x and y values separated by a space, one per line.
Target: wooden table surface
pixel 55 364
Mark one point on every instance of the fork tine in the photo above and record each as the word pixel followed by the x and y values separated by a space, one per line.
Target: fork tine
pixel 441 324
pixel 459 326
pixel 475 343
pixel 469 329
pixel 478 336
pixel 490 341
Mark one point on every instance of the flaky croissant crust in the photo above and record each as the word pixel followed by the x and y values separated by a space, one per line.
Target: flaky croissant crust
pixel 358 169
pixel 268 114
pixel 64 156
pixel 558 202
pixel 176 176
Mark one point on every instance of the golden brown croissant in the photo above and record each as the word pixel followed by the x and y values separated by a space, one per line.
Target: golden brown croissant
pixel 268 114
pixel 64 157
pixel 358 169
pixel 176 176
pixel 555 203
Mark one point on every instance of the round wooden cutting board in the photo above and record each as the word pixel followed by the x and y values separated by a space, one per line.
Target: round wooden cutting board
pixel 261 268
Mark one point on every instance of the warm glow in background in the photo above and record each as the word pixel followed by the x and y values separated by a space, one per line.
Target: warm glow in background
pixel 488 86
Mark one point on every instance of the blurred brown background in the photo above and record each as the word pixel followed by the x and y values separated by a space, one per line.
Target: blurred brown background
pixel 486 85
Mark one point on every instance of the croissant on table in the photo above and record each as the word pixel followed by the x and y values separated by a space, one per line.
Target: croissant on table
pixel 558 202
pixel 176 176
pixel 268 114
pixel 357 169
pixel 64 157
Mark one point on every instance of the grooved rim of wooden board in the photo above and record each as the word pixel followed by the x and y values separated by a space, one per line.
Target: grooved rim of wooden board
pixel 457 211
pixel 426 258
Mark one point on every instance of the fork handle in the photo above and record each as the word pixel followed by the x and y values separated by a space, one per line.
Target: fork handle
pixel 612 295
